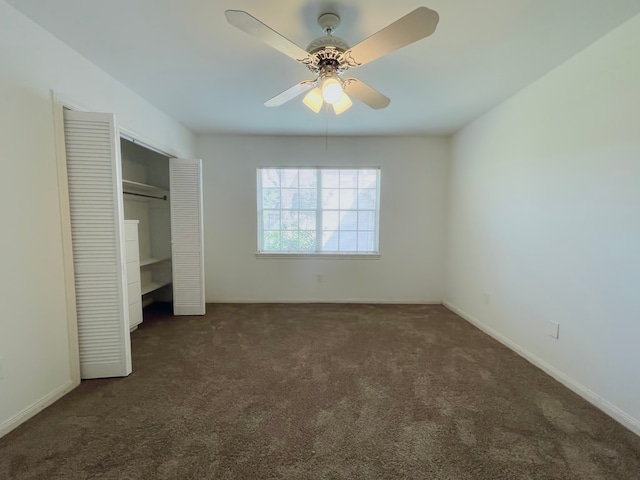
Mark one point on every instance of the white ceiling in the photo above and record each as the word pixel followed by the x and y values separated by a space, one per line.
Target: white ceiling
pixel 183 57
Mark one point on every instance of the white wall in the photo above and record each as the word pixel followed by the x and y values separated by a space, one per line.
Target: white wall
pixel 411 221
pixel 544 219
pixel 34 349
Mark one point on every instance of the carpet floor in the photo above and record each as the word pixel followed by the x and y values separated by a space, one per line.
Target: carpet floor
pixel 320 392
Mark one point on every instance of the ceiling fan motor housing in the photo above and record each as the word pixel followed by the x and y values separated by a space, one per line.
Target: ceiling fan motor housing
pixel 327 50
pixel 327 41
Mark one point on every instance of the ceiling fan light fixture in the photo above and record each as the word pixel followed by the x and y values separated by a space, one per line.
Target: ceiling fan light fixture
pixel 329 56
pixel 343 104
pixel 314 99
pixel 332 90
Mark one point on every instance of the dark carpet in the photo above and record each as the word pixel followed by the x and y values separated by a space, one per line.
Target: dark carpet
pixel 320 392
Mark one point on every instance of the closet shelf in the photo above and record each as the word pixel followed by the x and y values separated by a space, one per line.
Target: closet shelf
pixel 153 286
pixel 152 261
pixel 137 188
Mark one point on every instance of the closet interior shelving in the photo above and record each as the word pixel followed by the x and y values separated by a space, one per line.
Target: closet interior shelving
pixel 144 190
pixel 145 184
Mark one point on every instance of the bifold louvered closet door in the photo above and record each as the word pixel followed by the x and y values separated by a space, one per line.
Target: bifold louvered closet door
pixel 95 198
pixel 187 236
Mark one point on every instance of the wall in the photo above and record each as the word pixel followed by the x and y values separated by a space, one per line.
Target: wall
pixel 544 223
pixel 411 221
pixel 35 362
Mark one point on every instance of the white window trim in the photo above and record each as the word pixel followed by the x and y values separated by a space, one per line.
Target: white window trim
pixel 316 255
pixel 375 255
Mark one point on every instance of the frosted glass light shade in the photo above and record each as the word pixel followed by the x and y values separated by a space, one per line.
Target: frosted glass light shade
pixel 331 90
pixel 313 99
pixel 343 104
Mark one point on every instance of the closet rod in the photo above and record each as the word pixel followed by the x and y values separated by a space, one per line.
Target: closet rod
pixel 164 197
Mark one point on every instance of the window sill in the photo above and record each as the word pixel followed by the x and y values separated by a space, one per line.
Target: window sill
pixel 324 256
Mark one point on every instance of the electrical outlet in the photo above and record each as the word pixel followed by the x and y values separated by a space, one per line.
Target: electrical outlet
pixel 319 278
pixel 553 329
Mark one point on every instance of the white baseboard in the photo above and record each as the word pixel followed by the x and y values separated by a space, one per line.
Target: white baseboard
pixel 375 301
pixel 607 407
pixel 37 407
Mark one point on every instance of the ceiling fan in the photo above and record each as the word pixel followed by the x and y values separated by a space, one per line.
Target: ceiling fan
pixel 329 57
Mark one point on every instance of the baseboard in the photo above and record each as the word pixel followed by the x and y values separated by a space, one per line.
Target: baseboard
pixel 37 407
pixel 607 407
pixel 315 300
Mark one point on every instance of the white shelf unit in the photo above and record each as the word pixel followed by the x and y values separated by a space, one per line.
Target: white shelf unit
pixel 149 191
pixel 151 282
pixel 152 261
pixel 132 257
pixel 152 287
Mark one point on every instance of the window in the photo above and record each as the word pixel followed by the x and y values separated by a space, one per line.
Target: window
pixel 318 210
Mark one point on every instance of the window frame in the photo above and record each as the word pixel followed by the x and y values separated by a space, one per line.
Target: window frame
pixel 261 253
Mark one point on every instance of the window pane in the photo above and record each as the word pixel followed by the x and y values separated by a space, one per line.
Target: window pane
pixel 289 220
pixel 366 220
pixel 308 198
pixel 270 177
pixel 365 242
pixel 348 178
pixel 308 178
pixel 348 241
pixel 289 241
pixel 308 221
pixel 330 241
pixel 367 198
pixel 271 241
pixel 308 241
pixel 289 177
pixel 367 178
pixel 270 198
pixel 271 220
pixel 289 198
pixel 330 178
pixel 348 199
pixel 330 198
pixel 349 220
pixel 330 220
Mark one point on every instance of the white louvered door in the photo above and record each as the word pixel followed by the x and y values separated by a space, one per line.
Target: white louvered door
pixel 187 236
pixel 95 198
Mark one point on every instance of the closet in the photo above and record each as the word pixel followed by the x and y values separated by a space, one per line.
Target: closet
pixel 136 234
pixel 146 200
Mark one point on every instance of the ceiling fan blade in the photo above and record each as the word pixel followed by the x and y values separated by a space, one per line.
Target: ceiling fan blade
pixel 365 93
pixel 413 26
pixel 254 27
pixel 290 93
